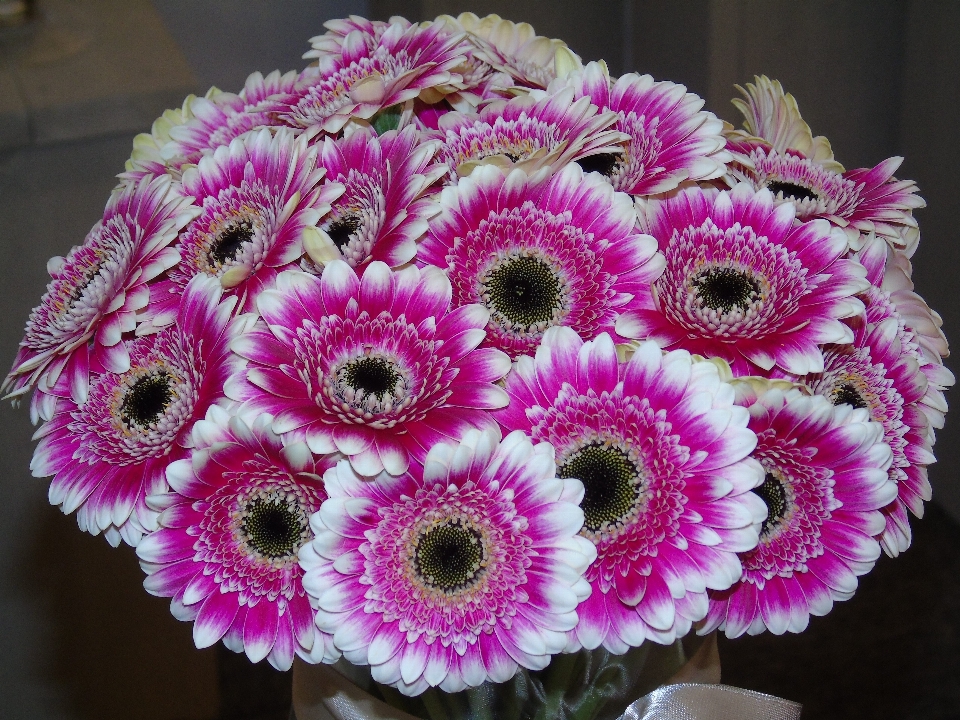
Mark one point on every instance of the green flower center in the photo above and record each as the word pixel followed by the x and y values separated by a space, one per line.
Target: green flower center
pixel 524 290
pixel 146 400
pixel 725 288
pixel 273 528
pixel 449 556
pixel 792 190
pixel 774 496
pixel 230 241
pixel 611 483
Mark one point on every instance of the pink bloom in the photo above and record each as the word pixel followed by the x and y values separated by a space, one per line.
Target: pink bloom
pixel 528 133
pixel 826 480
pixel 382 212
pixel 671 138
pixel 230 533
pixel 455 573
pixel 379 368
pixel 109 453
pixel 745 283
pixel 259 195
pixel 367 76
pixel 542 252
pixel 662 452
pixel 97 290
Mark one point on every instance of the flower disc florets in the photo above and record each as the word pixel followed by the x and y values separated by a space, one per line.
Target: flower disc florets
pixel 377 368
pixel 458 572
pixel 231 530
pixel 746 284
pixel 539 253
pixel 636 435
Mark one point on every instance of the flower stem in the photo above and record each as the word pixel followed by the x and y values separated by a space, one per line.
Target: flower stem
pixel 556 685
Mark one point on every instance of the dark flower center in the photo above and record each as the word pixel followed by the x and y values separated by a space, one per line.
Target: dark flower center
pixel 146 400
pixel 725 288
pixel 774 496
pixel 449 556
pixel 603 163
pixel 792 190
pixel 342 228
pixel 78 291
pixel 230 240
pixel 273 528
pixel 373 375
pixel 525 290
pixel 847 393
pixel 610 482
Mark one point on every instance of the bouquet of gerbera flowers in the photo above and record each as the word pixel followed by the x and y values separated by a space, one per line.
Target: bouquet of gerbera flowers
pixel 460 359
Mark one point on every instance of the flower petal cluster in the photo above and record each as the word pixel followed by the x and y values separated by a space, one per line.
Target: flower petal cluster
pixel 671 138
pixel 662 452
pixel 230 532
pixel 383 210
pixel 98 289
pixel 259 196
pixel 110 452
pixel 747 284
pixel 379 368
pixel 457 572
pixel 826 478
pixel 539 252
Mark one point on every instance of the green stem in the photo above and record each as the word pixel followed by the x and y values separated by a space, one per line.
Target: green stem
pixel 434 705
pixel 481 707
pixel 556 685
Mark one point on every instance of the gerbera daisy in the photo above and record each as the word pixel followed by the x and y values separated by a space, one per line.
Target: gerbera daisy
pixel 826 480
pixel 798 168
pixel 528 133
pixel 98 288
pixel 219 117
pixel 745 283
pixel 230 533
pixel 109 453
pixel 661 450
pixel 455 573
pixel 147 158
pixel 671 138
pixel 379 368
pixel 542 252
pixel 381 213
pixel 366 77
pixel 259 196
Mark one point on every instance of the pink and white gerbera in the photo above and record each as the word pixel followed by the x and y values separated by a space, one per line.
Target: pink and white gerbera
pixel 259 196
pixel 745 283
pixel 528 133
pixel 454 573
pixel 97 290
pixel 382 212
pixel 370 74
pixel 379 368
pixel 826 480
pixel 671 138
pixel 540 252
pixel 662 452
pixel 231 530
pixel 110 452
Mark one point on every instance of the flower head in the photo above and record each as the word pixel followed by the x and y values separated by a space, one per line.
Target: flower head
pixel 259 196
pixel 97 290
pixel 662 452
pixel 670 138
pixel 542 252
pixel 826 479
pixel 745 283
pixel 383 211
pixel 379 368
pixel 231 530
pixel 109 453
pixel 457 572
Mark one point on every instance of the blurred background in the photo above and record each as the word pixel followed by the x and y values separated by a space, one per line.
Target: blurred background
pixel 81 640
